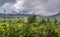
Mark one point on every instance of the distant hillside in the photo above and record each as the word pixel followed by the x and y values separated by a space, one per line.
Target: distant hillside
pixel 24 15
pixel 13 15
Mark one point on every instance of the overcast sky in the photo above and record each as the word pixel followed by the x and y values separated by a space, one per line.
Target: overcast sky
pixel 38 7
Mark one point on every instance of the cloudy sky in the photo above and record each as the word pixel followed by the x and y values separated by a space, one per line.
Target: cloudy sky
pixel 38 7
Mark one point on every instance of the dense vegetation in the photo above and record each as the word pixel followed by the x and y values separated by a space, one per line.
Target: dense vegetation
pixel 29 28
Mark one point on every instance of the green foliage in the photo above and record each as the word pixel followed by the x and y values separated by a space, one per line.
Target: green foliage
pixel 31 28
pixel 52 33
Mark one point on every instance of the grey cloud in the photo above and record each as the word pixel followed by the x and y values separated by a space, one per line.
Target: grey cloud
pixel 6 1
pixel 43 6
pixel 38 7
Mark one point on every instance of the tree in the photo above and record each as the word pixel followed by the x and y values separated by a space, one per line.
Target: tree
pixel 48 20
pixel 43 21
pixel 31 19
pixel 55 22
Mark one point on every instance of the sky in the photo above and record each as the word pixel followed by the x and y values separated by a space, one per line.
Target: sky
pixel 37 7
